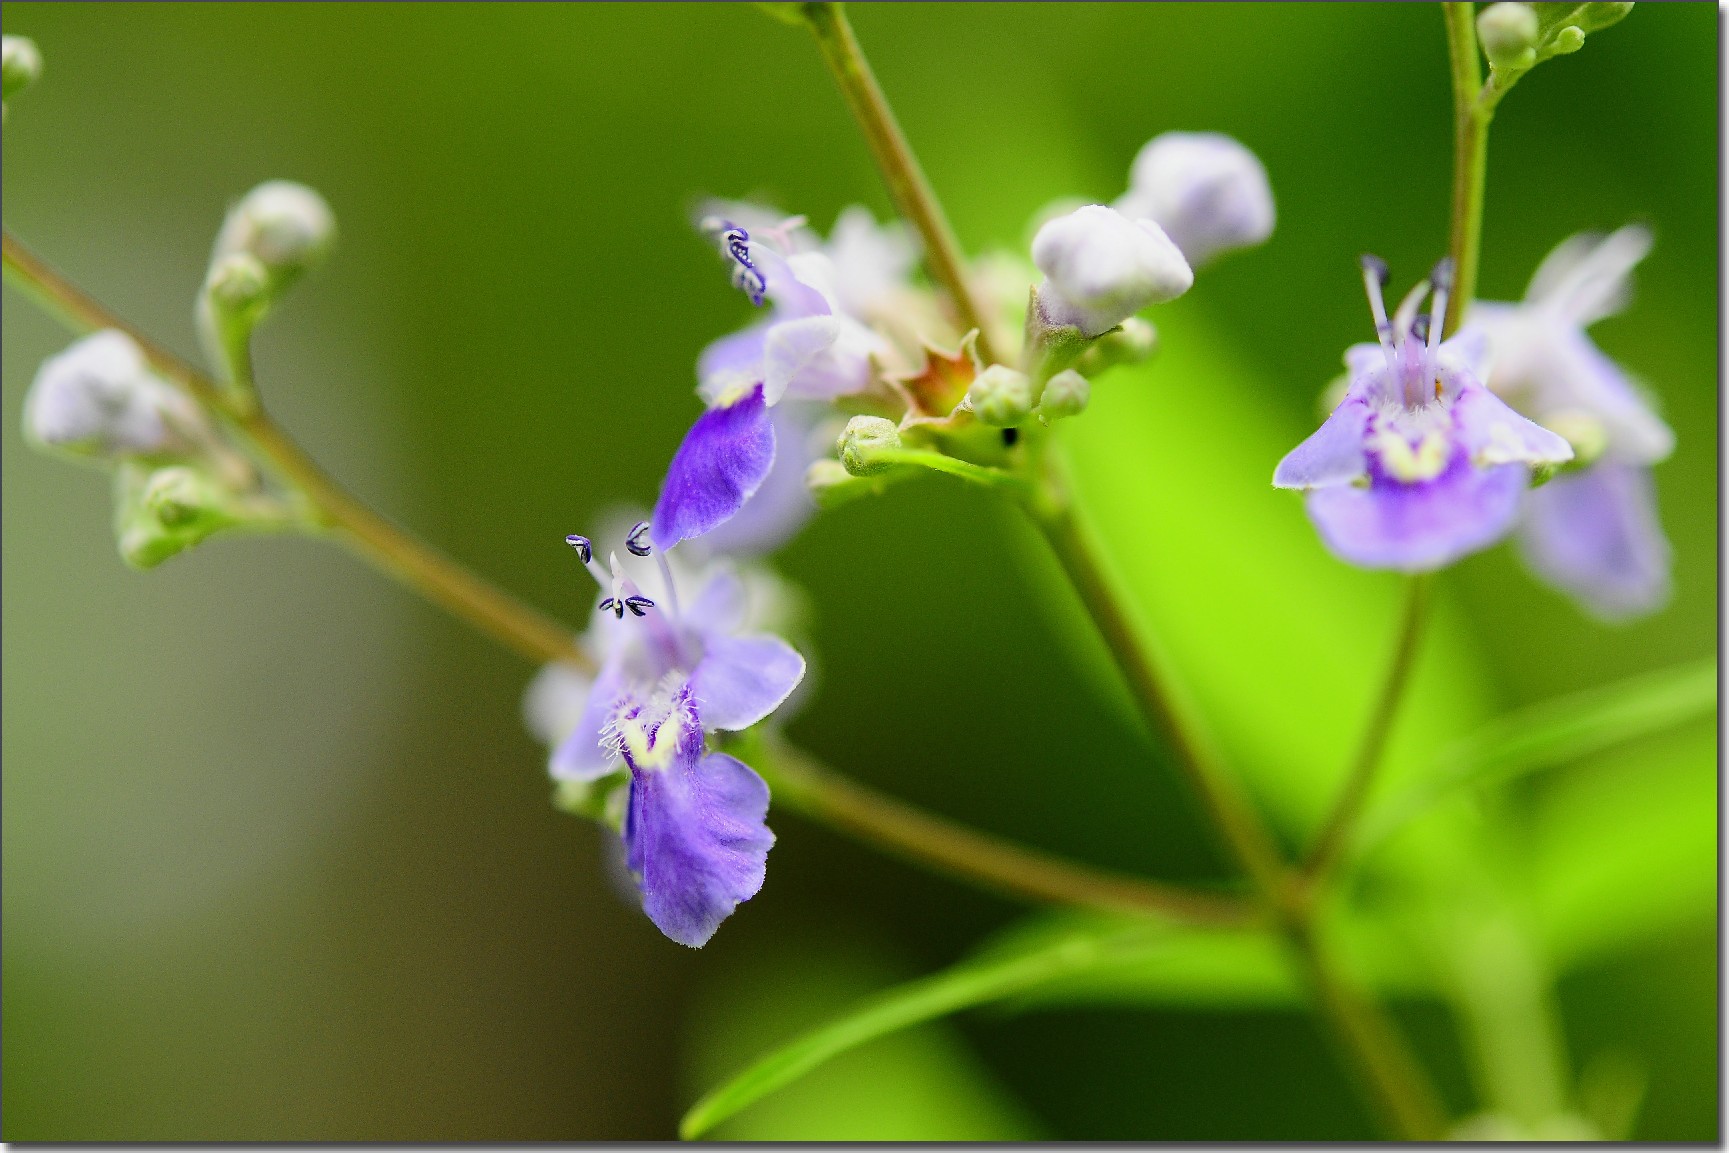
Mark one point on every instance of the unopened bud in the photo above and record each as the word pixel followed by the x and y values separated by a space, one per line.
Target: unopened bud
pixel 1101 267
pixel 98 399
pixel 20 65
pixel 239 289
pixel 861 439
pixel 1131 342
pixel 166 511
pixel 1508 33
pixel 1001 397
pixel 1206 190
pixel 1066 394
pixel 1567 41
pixel 286 226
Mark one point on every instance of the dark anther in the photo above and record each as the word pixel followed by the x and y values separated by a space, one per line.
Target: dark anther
pixel 1420 327
pixel 615 605
pixel 581 544
pixel 1377 266
pixel 636 605
pixel 745 275
pixel 635 542
pixel 1442 277
pixel 1010 437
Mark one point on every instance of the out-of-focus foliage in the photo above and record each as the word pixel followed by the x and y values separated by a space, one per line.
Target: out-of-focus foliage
pixel 279 861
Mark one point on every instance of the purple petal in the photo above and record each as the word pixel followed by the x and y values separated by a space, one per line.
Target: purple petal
pixel 1417 527
pixel 583 756
pixel 1575 373
pixel 741 680
pixel 782 503
pixel 697 842
pixel 723 459
pixel 1332 455
pixel 1595 535
pixel 1495 434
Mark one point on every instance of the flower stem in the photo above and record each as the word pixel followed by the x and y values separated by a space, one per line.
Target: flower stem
pixel 1471 117
pixel 1138 657
pixel 1397 1087
pixel 906 181
pixel 1337 828
pixel 806 786
pixel 819 793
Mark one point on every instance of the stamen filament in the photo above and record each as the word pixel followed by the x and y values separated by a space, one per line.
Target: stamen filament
pixel 1374 279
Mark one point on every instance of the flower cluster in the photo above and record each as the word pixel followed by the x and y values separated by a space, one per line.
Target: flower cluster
pixel 1420 464
pixel 845 332
pixel 1519 424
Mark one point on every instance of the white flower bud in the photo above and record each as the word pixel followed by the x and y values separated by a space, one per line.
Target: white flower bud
pixel 287 226
pixel 862 437
pixel 1000 396
pixel 1066 394
pixel 1101 267
pixel 20 65
pixel 99 399
pixel 1508 33
pixel 1208 192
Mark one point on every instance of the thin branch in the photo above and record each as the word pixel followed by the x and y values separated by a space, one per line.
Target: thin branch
pixel 1339 825
pixel 906 181
pixel 805 785
pixel 1471 117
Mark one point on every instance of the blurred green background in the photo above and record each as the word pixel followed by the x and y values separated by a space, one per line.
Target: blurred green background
pixel 279 860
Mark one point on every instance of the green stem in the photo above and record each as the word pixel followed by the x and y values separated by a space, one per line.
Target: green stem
pixel 1395 1084
pixel 900 169
pixel 941 462
pixel 802 784
pixel 820 793
pixel 1142 664
pixel 1471 116
pixel 1336 830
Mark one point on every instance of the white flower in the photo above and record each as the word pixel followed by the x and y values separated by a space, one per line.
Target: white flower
pixel 1101 268
pixel 1208 192
pixel 99 399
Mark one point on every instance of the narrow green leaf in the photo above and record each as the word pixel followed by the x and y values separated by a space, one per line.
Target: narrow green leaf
pixel 1625 850
pixel 971 983
pixel 1555 733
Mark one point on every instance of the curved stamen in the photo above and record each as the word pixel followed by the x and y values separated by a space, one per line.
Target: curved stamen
pixel 637 605
pixel 637 540
pixel 1374 280
pixel 1407 311
pixel 1442 279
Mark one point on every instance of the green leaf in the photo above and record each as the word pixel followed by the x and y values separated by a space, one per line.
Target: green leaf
pixel 922 1084
pixel 1555 733
pixel 1625 849
pixel 971 983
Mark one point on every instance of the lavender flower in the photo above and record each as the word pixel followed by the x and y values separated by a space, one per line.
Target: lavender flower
pixel 669 671
pixel 810 348
pixel 1594 532
pixel 1420 464
pixel 1208 192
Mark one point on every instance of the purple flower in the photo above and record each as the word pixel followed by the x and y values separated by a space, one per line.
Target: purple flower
pixel 670 670
pixel 695 835
pixel 1593 533
pixel 1420 464
pixel 809 349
